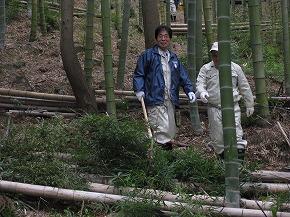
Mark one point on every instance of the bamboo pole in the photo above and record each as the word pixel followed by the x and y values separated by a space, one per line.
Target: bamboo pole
pixel 40 114
pixel 76 195
pixel 271 176
pixel 30 94
pixel 169 196
pixel 266 187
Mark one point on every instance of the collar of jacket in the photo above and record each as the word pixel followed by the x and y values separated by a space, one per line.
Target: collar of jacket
pixel 155 50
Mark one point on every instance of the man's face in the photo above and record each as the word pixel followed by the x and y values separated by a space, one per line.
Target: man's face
pixel 163 40
pixel 215 58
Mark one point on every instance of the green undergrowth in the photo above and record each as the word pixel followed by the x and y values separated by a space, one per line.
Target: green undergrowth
pixel 101 145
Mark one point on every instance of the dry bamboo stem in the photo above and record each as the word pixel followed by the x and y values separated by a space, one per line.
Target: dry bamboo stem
pixel 271 176
pixel 283 133
pixel 20 93
pixel 75 195
pixel 41 114
pixel 169 196
pixel 266 187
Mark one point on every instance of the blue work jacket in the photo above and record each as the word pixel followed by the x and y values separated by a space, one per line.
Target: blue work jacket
pixel 148 77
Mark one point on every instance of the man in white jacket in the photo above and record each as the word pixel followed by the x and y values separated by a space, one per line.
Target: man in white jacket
pixel 209 89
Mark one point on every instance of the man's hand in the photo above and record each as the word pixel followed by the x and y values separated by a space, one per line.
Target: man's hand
pixel 250 111
pixel 203 96
pixel 140 95
pixel 191 97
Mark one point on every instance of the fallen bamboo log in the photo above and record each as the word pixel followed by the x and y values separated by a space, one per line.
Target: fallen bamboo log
pixel 169 196
pixel 34 101
pixel 271 176
pixel 76 195
pixel 30 94
pixel 266 187
pixel 41 114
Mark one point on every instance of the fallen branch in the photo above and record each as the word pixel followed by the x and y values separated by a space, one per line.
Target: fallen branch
pixel 271 176
pixel 283 133
pixel 266 187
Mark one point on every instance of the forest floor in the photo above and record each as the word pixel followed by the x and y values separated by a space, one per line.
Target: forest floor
pixel 37 66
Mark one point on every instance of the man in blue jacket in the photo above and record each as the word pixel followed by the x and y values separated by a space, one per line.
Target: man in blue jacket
pixel 157 78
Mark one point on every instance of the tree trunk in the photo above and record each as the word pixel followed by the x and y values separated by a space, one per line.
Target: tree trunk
pixel 2 24
pixel 140 16
pixel 42 21
pixel 108 59
pixel 191 61
pixel 150 21
pixel 207 9
pixel 124 44
pixel 84 96
pixel 286 50
pixel 228 117
pixel 185 10
pixel 89 41
pixel 257 58
pixel 33 27
pixel 118 16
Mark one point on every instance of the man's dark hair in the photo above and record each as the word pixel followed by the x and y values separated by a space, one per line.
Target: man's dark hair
pixel 162 28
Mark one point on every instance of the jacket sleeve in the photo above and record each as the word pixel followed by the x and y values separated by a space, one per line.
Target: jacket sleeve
pixel 139 74
pixel 245 89
pixel 201 80
pixel 185 80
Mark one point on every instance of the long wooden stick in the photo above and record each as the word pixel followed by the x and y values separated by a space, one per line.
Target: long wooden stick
pixel 75 195
pixel 271 176
pixel 150 150
pixel 266 187
pixel 283 133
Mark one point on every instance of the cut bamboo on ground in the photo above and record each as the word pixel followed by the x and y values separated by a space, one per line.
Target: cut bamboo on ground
pixel 75 195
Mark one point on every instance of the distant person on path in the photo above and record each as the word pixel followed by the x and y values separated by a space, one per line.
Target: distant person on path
pixel 157 79
pixel 209 89
pixel 173 11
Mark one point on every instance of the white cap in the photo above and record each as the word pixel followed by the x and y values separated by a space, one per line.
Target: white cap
pixel 214 47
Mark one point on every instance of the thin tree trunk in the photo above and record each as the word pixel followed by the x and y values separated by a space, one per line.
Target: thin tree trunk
pixel 199 60
pixel 232 184
pixel 124 44
pixel 168 18
pixel 140 15
pixel 191 61
pixel 185 10
pixel 214 11
pixel 207 11
pixel 89 41
pixel 150 21
pixel 118 17
pixel 286 50
pixel 108 59
pixel 84 96
pixel 257 58
pixel 33 27
pixel 2 24
pixel 42 21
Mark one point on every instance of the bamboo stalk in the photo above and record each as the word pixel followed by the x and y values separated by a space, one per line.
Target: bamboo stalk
pixel 271 176
pixel 169 196
pixel 30 94
pixel 40 114
pixel 266 187
pixel 76 195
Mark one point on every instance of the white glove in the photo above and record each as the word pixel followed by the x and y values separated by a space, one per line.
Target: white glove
pixel 250 111
pixel 203 96
pixel 191 97
pixel 140 95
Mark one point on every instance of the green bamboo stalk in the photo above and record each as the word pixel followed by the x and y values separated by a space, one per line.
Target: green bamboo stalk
pixel 191 61
pixel 207 11
pixel 257 58
pixel 286 54
pixel 124 44
pixel 2 24
pixel 42 22
pixel 89 41
pixel 33 26
pixel 273 21
pixel 232 191
pixel 162 11
pixel 168 19
pixel 245 10
pixel 199 61
pixel 118 17
pixel 214 11
pixel 140 16
pixel 108 60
